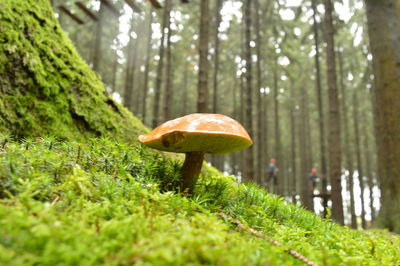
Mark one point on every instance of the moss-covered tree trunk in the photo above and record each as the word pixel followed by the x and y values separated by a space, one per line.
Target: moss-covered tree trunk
pixel 45 86
pixel 384 33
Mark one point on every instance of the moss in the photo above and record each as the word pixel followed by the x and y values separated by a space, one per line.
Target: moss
pixel 105 203
pixel 45 86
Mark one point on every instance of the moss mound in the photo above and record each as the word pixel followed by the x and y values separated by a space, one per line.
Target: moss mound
pixel 107 203
pixel 45 86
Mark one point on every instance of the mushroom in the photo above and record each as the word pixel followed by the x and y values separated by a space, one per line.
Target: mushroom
pixel 195 135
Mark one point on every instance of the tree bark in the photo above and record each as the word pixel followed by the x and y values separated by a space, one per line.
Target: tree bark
pixel 168 82
pixel 306 193
pixel 358 157
pixel 160 66
pixel 115 70
pixel 347 151
pixel 368 162
pixel 128 70
pixel 216 55
pixel 384 35
pixel 260 160
pixel 277 151
pixel 185 89
pixel 98 38
pixel 321 120
pixel 334 120
pixel 293 144
pixel 216 160
pixel 249 166
pixel 202 88
pixel 147 67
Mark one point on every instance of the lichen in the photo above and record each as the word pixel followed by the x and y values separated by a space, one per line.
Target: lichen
pixel 46 87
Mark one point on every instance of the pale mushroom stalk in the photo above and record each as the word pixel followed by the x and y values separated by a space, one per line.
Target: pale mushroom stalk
pixel 190 170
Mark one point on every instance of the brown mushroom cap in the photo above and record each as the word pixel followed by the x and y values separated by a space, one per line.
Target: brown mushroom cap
pixel 210 133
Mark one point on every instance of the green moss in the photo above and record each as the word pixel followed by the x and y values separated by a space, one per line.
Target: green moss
pixel 107 203
pixel 45 86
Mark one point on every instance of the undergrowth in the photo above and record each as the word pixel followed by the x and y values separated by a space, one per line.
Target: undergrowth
pixel 67 203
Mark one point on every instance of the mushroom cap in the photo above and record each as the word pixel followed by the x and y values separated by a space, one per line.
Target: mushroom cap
pixel 210 133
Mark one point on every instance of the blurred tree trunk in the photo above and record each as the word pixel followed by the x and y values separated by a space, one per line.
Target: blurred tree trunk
pixel 334 120
pixel 260 159
pixel 128 70
pixel 160 66
pixel 347 149
pixel 135 90
pixel 368 162
pixel 168 82
pixel 218 5
pixel 234 156
pixel 185 89
pixel 277 151
pixel 216 160
pixel 306 193
pixel 249 158
pixel 265 102
pixel 98 38
pixel 358 156
pixel 114 71
pixel 202 88
pixel 321 120
pixel 384 35
pixel 293 144
pixel 147 66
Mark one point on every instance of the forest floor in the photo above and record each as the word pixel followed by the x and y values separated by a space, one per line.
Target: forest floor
pixel 105 202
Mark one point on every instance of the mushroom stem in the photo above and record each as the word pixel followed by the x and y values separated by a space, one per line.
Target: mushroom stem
pixel 191 170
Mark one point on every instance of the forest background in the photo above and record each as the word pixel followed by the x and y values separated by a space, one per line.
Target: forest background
pixel 298 74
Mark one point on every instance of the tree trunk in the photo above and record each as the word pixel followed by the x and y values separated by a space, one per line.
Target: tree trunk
pixel 234 155
pixel 98 38
pixel 202 88
pixel 216 160
pixel 321 120
pixel 160 66
pixel 168 82
pixel 277 152
pixel 185 89
pixel 115 70
pixel 368 162
pixel 334 120
pixel 348 154
pixel 249 166
pixel 306 193
pixel 128 71
pixel 265 137
pixel 216 55
pixel 358 157
pixel 134 88
pixel 260 160
pixel 293 144
pixel 383 28
pixel 147 67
